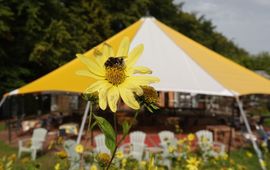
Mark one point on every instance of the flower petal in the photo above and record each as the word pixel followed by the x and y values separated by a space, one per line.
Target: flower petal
pixel 142 70
pixel 87 73
pixel 107 52
pixel 96 86
pixel 102 95
pixel 91 64
pixel 134 87
pixel 113 97
pixel 128 97
pixel 143 80
pixel 134 55
pixel 123 48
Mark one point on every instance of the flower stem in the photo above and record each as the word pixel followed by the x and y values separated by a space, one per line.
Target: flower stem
pixel 120 141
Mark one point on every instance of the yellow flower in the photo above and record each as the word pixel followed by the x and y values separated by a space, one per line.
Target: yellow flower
pixel 191 137
pixel 263 163
pixel 143 163
pixel 249 154
pixel 62 154
pixel 93 167
pixel 225 156
pixel 204 139
pixel 79 148
pixel 181 141
pixel 171 149
pixel 12 157
pixel 124 162
pixel 57 166
pixel 115 75
pixel 119 154
pixel 104 158
pixel 192 163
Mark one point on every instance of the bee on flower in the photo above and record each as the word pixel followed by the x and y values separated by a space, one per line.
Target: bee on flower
pixel 115 75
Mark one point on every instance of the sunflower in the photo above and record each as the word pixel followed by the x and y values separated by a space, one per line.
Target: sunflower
pixel 115 75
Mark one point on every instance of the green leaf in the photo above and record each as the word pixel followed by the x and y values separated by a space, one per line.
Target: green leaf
pixel 107 129
pixel 125 127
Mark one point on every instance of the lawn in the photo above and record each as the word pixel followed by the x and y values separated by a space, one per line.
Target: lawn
pixel 48 160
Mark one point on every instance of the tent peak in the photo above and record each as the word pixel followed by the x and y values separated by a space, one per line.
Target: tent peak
pixel 148 18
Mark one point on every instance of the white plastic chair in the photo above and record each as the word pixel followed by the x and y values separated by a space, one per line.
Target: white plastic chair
pixel 100 144
pixel 73 156
pixel 166 137
pixel 37 141
pixel 206 143
pixel 137 137
pixel 137 145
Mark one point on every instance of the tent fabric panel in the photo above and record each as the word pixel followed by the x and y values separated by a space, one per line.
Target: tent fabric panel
pixel 231 75
pixel 65 79
pixel 176 70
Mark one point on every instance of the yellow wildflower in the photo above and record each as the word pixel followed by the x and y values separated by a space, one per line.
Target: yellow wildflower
pixel 12 157
pixel 193 163
pixel 171 149
pixel 104 158
pixel 191 137
pixel 115 75
pixel 249 154
pixel 119 154
pixel 93 167
pixel 124 162
pixel 225 156
pixel 79 148
pixel 57 166
pixel 62 154
pixel 143 163
pixel 263 163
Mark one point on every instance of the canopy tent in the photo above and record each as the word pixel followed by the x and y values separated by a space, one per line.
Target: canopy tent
pixel 182 65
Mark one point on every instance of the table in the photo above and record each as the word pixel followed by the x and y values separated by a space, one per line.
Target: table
pixel 222 132
pixel 70 128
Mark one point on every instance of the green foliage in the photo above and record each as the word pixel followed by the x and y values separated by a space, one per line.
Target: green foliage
pixel 108 131
pixel 39 36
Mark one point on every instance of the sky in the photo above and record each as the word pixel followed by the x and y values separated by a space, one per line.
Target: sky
pixel 245 22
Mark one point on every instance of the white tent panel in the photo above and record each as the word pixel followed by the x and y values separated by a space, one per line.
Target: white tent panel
pixel 176 70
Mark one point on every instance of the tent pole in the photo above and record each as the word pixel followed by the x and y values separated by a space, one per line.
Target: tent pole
pixel 3 100
pixel 83 122
pixel 254 144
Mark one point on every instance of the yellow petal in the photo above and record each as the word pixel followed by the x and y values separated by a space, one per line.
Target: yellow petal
pixel 123 48
pixel 87 73
pixel 92 65
pixel 113 97
pixel 133 86
pixel 144 80
pixel 128 97
pixel 96 86
pixel 134 55
pixel 142 70
pixel 107 52
pixel 102 95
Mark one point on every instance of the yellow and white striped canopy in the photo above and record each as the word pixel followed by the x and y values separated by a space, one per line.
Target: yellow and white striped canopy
pixel 182 65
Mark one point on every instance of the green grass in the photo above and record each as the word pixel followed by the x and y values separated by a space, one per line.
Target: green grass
pixel 239 156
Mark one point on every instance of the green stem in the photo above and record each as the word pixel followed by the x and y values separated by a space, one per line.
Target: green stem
pixel 120 141
pixel 89 124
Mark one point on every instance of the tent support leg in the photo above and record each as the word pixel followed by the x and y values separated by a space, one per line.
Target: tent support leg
pixel 254 143
pixel 83 122
pixel 2 100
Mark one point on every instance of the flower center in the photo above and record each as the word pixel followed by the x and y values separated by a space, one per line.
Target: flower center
pixel 150 95
pixel 115 70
